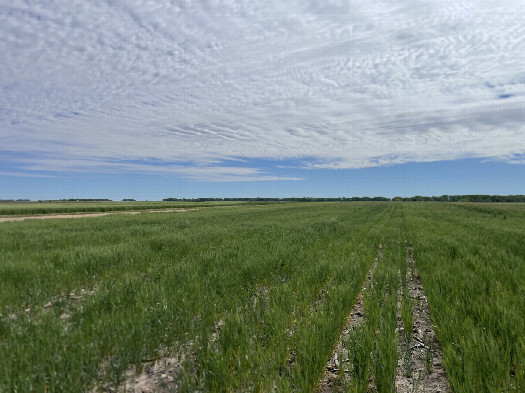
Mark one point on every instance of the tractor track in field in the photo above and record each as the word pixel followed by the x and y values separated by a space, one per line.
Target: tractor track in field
pixel 422 370
pixel 337 370
pixel 425 367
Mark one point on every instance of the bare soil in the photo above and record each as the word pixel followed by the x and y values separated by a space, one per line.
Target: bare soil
pixel 427 373
pixel 164 374
pixel 64 302
pixel 82 215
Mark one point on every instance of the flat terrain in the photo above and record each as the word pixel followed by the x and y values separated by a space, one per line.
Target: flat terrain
pixel 94 214
pixel 350 296
pixel 15 209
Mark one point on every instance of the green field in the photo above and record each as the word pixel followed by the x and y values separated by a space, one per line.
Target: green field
pixel 43 208
pixel 254 297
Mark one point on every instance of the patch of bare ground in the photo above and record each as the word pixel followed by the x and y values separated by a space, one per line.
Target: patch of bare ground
pixel 63 303
pixel 161 375
pixel 165 373
pixel 420 366
pixel 337 371
pixel 82 215
pixel 261 296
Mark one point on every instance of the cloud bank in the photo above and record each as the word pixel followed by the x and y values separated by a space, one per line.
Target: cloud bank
pixel 183 87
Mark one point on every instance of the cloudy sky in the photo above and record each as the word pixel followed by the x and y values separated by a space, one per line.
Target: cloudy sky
pixel 261 97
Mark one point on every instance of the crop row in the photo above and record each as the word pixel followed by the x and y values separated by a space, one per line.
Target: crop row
pixel 472 264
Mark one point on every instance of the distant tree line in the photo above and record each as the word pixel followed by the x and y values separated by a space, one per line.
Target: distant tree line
pixel 86 200
pixel 465 198
pixel 417 198
pixel 302 199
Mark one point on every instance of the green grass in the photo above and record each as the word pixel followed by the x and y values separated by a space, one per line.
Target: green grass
pixel 256 296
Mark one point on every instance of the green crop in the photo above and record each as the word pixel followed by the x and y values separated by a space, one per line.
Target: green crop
pixel 471 258
pixel 255 297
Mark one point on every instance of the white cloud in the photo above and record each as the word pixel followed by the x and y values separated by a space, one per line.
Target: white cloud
pixel 349 84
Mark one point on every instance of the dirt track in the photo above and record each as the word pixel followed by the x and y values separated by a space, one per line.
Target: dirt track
pixel 81 215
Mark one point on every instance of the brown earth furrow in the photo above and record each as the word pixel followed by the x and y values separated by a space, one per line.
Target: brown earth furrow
pixel 426 372
pixel 337 372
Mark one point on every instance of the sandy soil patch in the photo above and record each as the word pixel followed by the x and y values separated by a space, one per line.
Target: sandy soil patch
pixel 164 374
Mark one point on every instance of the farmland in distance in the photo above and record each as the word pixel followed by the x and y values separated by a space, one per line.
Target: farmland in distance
pixel 244 297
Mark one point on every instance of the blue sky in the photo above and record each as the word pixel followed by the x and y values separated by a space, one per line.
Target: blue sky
pixel 169 98
pixel 455 177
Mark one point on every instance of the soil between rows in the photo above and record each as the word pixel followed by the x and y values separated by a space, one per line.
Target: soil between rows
pixel 427 373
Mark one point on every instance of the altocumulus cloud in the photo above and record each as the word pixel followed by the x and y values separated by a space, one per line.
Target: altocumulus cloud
pixel 188 87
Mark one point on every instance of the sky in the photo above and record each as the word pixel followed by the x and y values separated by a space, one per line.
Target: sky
pixel 150 99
